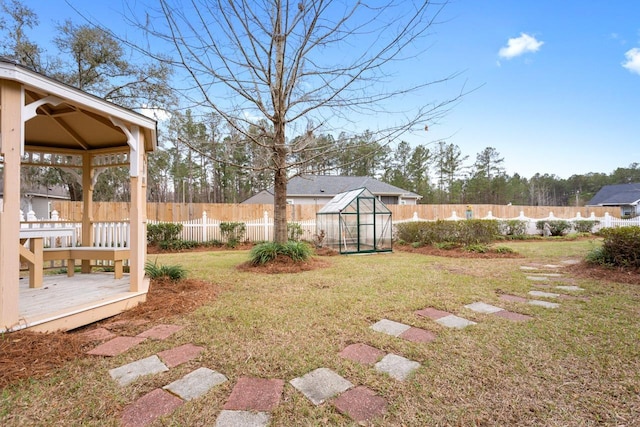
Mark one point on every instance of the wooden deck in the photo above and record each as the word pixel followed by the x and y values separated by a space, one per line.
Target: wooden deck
pixel 64 303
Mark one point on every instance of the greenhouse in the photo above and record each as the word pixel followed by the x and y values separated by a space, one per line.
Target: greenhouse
pixel 355 222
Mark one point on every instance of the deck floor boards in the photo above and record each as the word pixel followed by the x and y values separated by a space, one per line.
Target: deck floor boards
pixel 59 292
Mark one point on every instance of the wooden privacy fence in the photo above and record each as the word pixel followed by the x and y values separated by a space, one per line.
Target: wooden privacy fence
pixel 234 212
pixel 204 229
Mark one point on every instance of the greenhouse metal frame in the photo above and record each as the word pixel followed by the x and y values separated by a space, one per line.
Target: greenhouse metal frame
pixel 355 222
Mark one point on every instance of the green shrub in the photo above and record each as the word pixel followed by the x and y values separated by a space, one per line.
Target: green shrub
pixel 513 228
pixel 409 231
pixel 294 231
pixel 264 253
pixel 585 226
pixel 416 245
pixel 477 248
pixel 163 232
pixel 557 227
pixel 177 245
pixel 446 245
pixel 172 272
pixel 503 250
pixel 233 232
pixel 620 248
pixel 467 232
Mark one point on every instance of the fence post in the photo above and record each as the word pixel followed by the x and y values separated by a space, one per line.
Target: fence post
pixel 607 220
pixel 204 226
pixel 415 216
pixel 55 215
pixel 31 216
pixel 266 226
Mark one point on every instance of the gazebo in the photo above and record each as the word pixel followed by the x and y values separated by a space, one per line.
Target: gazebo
pixel 355 221
pixel 45 123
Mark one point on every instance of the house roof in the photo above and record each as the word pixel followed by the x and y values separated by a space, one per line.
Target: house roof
pixel 330 185
pixel 616 195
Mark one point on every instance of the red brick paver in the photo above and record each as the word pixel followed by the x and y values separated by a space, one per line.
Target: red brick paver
pixel 432 313
pixel 179 355
pixel 514 317
pixel 362 353
pixel 512 298
pixel 152 405
pixel 418 335
pixel 255 394
pixel 115 346
pixel 160 332
pixel 361 404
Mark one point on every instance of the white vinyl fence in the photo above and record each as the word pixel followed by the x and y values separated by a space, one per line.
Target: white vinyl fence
pixel 116 233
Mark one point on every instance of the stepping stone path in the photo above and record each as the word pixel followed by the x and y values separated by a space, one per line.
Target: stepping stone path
pixel 253 399
pixel 445 318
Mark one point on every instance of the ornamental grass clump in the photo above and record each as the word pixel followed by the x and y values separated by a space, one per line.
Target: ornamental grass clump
pixel 159 271
pixel 267 252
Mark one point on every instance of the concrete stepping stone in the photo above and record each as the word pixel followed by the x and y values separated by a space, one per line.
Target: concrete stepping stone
pixel 361 404
pixel 453 321
pixel 390 327
pixel 146 409
pixel 320 385
pixel 571 261
pixel 116 346
pixel 432 313
pixel 538 278
pixel 196 383
pixel 362 353
pixel 98 334
pixel 481 307
pixel 512 298
pixel 552 266
pixel 255 394
pixel 242 419
pixel 545 304
pixel 418 335
pixel 528 268
pixel 542 294
pixel 179 355
pixel 396 366
pixel 126 374
pixel 569 288
pixel 514 317
pixel 160 332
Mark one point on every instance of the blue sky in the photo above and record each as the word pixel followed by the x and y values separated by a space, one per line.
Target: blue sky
pixel 557 82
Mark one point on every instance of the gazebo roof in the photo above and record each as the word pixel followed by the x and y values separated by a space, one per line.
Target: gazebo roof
pixel 68 118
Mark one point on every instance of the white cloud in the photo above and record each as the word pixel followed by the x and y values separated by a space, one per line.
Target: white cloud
pixel 633 60
pixel 519 46
pixel 155 113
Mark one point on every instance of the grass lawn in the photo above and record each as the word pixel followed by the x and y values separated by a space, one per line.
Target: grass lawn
pixel 576 365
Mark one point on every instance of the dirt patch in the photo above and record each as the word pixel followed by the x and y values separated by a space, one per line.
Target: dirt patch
pixel 585 270
pixel 454 253
pixel 26 354
pixel 284 264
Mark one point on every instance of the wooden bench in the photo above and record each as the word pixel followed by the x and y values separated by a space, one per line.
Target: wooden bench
pixel 84 253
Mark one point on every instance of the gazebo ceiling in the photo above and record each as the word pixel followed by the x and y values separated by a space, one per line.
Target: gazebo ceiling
pixel 67 118
pixel 70 127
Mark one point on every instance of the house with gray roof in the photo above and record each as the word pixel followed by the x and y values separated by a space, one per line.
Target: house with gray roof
pixel 624 196
pixel 320 189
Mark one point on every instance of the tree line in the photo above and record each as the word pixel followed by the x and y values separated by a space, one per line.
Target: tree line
pixel 214 156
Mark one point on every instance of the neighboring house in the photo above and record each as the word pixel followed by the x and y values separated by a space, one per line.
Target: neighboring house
pixel 624 196
pixel 320 189
pixel 38 199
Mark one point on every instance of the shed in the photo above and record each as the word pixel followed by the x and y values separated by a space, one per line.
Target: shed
pixel 355 222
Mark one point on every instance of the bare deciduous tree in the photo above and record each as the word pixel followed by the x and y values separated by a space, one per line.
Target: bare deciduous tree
pixel 298 66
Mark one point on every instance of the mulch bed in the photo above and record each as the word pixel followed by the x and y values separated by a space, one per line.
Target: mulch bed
pixel 26 354
pixel 584 270
pixel 284 264
pixel 453 253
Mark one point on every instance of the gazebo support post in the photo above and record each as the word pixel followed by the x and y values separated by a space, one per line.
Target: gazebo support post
pixel 11 100
pixel 87 207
